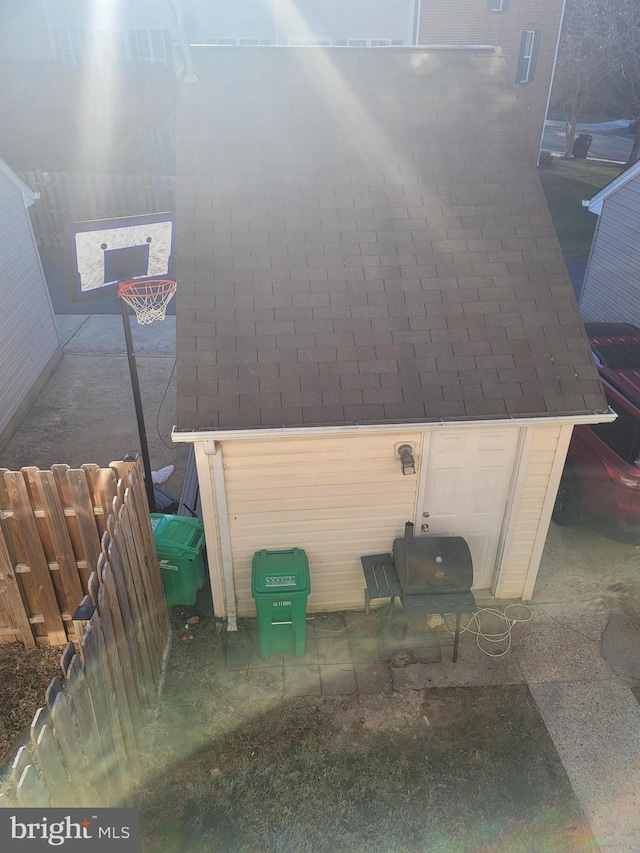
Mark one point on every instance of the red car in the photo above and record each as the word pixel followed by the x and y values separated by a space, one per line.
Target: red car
pixel 601 478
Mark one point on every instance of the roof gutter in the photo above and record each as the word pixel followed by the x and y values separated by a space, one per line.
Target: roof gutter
pixel 553 74
pixel 382 429
pixel 28 195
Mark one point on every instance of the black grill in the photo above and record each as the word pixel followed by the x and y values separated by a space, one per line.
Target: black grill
pixel 430 574
pixel 432 565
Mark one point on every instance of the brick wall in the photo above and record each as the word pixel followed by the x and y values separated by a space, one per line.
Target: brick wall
pixel 470 22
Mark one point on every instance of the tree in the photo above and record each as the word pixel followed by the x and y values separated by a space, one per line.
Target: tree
pixel 584 59
pixel 623 57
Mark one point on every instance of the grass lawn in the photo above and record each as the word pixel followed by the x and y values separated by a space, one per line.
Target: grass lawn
pixel 566 184
pixel 441 770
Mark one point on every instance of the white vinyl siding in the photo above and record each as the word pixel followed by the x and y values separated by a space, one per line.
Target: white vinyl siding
pixel 338 498
pixel 344 497
pixel 546 447
pixel 28 330
pixel 611 289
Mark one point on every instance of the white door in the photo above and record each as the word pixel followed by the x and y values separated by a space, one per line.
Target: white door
pixel 467 477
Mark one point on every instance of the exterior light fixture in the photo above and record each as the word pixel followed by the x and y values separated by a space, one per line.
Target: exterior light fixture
pixel 408 463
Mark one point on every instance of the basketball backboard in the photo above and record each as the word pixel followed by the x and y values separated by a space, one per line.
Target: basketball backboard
pixel 106 251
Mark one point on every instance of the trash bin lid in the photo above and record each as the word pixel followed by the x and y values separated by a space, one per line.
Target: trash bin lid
pixel 176 535
pixel 280 572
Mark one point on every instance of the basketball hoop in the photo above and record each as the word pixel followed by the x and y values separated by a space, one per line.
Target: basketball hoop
pixel 149 299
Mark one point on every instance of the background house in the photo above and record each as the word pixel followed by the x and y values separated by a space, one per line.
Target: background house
pixel 357 271
pixel 124 49
pixel 30 344
pixel 528 33
pixel 611 289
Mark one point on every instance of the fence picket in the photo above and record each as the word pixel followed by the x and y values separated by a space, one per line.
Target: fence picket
pixel 85 515
pixel 28 549
pixel 53 769
pixel 102 485
pixel 81 706
pixel 124 655
pixel 63 724
pixel 118 681
pixel 43 485
pixel 100 690
pixel 143 594
pixel 117 592
pixel 16 607
pixel 32 791
pixel 87 742
pixel 126 591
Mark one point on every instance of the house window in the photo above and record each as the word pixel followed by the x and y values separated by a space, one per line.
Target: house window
pixel 309 42
pixel 497 5
pixel 149 46
pixel 528 54
pixel 226 42
pixel 70 46
pixel 368 43
pixel 249 42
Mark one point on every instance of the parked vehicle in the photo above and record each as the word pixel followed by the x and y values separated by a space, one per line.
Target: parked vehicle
pixel 634 124
pixel 601 477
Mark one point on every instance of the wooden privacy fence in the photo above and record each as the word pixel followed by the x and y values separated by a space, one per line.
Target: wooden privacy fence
pixel 51 524
pixel 68 197
pixel 86 742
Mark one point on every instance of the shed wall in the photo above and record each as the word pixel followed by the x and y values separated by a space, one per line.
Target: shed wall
pixel 544 456
pixel 611 289
pixel 27 324
pixel 338 498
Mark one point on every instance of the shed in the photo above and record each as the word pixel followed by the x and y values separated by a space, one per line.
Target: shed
pixel 366 259
pixel 611 289
pixel 30 343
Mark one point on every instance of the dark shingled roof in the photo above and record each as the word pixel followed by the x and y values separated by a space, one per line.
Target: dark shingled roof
pixel 363 239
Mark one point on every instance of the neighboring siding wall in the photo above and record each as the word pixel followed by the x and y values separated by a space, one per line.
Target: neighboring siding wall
pixel 611 289
pixel 338 498
pixel 544 446
pixel 305 19
pixel 27 325
pixel 470 22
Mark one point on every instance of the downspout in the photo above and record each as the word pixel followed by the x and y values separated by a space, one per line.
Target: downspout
pixel 553 74
pixel 213 449
pixel 418 18
pixel 214 475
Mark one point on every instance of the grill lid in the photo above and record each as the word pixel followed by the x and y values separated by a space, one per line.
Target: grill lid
pixel 432 564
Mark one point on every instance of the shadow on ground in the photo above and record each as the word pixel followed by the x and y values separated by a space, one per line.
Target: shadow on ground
pixel 238 767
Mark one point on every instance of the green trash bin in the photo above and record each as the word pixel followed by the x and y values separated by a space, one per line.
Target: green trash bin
pixel 179 545
pixel 280 585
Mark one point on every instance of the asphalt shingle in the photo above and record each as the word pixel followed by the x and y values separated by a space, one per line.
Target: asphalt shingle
pixel 361 238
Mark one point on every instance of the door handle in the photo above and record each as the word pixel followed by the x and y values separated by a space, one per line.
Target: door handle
pixel 425 528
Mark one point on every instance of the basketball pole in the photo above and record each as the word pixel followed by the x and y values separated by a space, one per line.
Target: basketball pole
pixel 137 401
